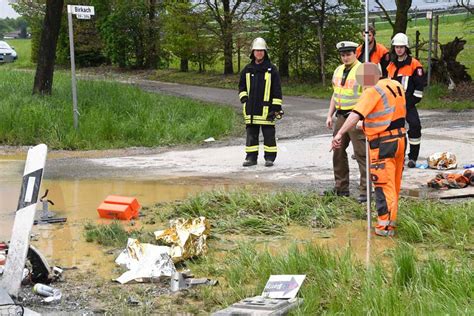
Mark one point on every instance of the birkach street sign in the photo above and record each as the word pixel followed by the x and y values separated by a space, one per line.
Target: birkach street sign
pixel 82 9
pixel 82 12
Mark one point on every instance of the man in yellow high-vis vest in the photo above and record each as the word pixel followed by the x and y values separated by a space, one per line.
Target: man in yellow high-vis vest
pixel 346 94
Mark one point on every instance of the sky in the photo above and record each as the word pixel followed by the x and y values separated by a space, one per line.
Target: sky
pixel 6 10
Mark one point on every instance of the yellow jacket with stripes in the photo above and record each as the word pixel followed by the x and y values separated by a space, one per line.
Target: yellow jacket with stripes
pixel 346 90
pixel 260 93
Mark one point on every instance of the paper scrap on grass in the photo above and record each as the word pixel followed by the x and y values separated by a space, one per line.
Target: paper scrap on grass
pixel 145 262
pixel 186 238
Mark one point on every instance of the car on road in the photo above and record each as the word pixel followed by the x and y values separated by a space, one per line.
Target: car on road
pixel 7 53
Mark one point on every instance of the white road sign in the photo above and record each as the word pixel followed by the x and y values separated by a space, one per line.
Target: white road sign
pixel 283 286
pixel 81 9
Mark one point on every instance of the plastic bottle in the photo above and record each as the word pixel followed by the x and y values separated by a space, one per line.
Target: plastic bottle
pixel 43 289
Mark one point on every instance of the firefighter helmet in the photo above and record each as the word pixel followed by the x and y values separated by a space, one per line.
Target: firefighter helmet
pixel 400 39
pixel 259 44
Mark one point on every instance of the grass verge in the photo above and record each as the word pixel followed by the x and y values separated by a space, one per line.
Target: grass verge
pixel 339 284
pixel 114 234
pixel 438 223
pixel 112 115
pixel 253 212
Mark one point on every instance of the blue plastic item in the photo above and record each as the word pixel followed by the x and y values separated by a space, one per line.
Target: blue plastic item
pixel 468 166
pixel 422 165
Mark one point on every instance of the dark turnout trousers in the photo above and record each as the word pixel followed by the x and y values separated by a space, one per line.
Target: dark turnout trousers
pixel 269 141
pixel 340 161
pixel 414 132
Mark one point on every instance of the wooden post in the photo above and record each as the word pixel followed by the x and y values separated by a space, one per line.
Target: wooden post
pixel 417 43
pixel 436 37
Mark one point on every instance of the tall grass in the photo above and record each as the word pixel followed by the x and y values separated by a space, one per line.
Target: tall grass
pixel 446 224
pixel 112 115
pixel 113 234
pixel 338 284
pixel 253 211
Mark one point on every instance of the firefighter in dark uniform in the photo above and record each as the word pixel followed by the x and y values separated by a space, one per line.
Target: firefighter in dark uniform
pixel 409 72
pixel 261 98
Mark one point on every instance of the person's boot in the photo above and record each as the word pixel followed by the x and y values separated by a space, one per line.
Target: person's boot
pixel 249 162
pixel 362 198
pixel 268 163
pixel 335 191
pixel 411 163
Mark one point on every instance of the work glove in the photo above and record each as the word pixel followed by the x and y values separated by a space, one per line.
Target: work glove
pixel 244 99
pixel 275 115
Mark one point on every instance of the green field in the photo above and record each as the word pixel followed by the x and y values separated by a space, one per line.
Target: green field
pixel 23 49
pixel 112 115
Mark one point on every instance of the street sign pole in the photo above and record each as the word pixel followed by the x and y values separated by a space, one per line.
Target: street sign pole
pixel 73 68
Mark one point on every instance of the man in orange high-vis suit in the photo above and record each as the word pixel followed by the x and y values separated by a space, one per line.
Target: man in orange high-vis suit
pixel 382 109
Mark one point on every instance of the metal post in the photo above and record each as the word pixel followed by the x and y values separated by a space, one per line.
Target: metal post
pixel 367 157
pixel 73 67
pixel 430 48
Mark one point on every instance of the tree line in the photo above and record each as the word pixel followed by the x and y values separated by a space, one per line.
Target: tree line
pixel 149 34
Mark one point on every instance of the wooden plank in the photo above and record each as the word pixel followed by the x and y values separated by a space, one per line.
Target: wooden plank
pixel 453 193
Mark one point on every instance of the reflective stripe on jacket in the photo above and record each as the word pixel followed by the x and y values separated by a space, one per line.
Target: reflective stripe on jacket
pixel 346 93
pixel 412 77
pixel 381 105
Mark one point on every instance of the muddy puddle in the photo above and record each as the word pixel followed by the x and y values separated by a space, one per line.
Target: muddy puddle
pixel 64 244
pixel 345 236
pixel 77 200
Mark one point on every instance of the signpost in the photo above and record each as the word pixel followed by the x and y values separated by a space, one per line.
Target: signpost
pixel 81 12
pixel 429 16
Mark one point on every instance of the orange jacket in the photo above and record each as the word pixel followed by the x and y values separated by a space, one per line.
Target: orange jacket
pixel 412 77
pixel 382 107
pixel 378 55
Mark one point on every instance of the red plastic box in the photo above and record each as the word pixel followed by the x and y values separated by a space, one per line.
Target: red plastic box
pixel 119 207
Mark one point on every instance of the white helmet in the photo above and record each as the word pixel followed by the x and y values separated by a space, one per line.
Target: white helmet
pixel 259 44
pixel 400 39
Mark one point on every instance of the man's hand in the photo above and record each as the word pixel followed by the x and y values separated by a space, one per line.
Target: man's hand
pixel 329 122
pixel 336 141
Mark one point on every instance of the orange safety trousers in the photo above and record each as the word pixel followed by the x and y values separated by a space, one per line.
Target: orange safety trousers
pixel 387 154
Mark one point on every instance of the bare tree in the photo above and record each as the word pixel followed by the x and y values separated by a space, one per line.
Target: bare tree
pixel 226 13
pixel 466 4
pixel 47 51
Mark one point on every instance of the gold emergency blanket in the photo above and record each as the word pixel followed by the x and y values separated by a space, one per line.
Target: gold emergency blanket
pixel 186 238
pixel 442 161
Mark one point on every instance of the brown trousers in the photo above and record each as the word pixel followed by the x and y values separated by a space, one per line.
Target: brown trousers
pixel 340 161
